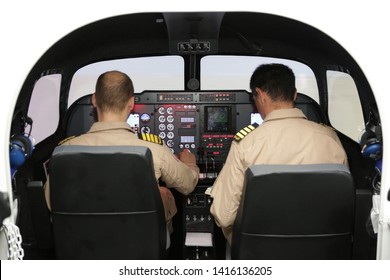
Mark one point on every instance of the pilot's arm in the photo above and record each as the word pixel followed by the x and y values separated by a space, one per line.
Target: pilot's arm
pixel 180 173
pixel 227 191
pixel 46 187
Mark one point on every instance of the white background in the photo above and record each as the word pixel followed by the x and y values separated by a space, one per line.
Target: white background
pixel 28 28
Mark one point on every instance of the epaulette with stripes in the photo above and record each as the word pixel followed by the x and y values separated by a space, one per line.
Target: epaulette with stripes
pixel 245 131
pixel 66 139
pixel 150 138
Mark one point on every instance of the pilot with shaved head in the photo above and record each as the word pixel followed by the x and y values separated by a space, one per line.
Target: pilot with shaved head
pixel 114 100
pixel 286 136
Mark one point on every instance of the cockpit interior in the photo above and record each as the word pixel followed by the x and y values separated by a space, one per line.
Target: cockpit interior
pixel 191 76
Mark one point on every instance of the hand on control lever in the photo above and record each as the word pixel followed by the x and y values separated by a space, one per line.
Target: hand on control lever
pixel 187 157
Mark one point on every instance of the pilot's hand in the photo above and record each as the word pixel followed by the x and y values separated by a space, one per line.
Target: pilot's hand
pixel 187 157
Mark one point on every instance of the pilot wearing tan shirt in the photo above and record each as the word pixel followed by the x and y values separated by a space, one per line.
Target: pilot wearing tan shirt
pixel 284 137
pixel 114 101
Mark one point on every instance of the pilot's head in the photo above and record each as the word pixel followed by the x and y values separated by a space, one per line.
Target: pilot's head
pixel 113 94
pixel 273 87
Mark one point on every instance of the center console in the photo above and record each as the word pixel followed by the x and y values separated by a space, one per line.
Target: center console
pixel 205 123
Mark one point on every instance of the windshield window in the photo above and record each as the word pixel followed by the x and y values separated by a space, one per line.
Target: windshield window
pixel 147 73
pixel 234 72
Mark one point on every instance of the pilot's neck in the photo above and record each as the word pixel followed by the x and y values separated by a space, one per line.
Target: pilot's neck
pixel 277 106
pixel 112 116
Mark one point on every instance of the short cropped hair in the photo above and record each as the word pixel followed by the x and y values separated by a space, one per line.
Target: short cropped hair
pixel 277 80
pixel 113 90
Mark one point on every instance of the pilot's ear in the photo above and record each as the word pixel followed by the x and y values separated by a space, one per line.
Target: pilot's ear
pixel 131 104
pixel 94 100
pixel 261 95
pixel 257 92
pixel 295 95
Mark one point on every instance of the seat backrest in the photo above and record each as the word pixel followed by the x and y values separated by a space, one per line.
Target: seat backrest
pixel 311 109
pixel 79 117
pixel 105 203
pixel 295 212
pixel 362 169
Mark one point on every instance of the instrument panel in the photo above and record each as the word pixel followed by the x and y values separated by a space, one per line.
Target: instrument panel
pixel 203 122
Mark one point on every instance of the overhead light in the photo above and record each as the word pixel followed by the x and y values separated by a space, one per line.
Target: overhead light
pixel 193 47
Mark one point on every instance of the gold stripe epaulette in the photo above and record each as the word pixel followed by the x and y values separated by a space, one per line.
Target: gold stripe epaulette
pixel 150 138
pixel 245 131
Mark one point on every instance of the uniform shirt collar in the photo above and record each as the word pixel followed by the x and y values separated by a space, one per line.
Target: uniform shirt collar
pixel 100 126
pixel 285 114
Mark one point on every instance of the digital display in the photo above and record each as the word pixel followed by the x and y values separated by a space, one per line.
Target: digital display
pixel 256 118
pixel 187 119
pixel 145 118
pixel 133 121
pixel 218 119
pixel 187 139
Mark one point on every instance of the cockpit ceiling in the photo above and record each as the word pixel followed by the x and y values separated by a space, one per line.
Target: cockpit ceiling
pixel 238 33
pixel 208 33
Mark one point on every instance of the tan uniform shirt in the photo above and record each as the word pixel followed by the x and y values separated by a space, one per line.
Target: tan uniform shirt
pixel 285 137
pixel 167 166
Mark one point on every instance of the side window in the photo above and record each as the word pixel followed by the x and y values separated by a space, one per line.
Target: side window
pixel 345 110
pixel 44 107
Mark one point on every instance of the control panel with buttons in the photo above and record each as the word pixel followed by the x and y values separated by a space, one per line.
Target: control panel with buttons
pixel 204 122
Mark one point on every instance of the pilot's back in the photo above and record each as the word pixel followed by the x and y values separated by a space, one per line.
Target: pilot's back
pixel 287 137
pixel 115 134
pixel 166 165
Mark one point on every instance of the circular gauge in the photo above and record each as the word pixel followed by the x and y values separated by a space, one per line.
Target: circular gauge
pixel 162 135
pixel 145 129
pixel 170 110
pixel 170 143
pixel 161 126
pixel 161 110
pixel 145 118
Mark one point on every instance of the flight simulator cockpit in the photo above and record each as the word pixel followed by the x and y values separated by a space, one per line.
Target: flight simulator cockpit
pixel 190 73
pixel 204 122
